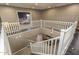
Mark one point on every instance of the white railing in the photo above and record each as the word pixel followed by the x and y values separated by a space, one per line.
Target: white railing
pixel 56 24
pixel 45 47
pixel 5 46
pixel 14 27
pixel 36 23
pixel 67 30
pixel 66 37
pixel 11 28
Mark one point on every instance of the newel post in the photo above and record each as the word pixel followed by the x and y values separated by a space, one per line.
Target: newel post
pixel 7 49
pixel 61 42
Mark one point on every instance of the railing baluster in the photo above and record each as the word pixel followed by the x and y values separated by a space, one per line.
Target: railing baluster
pixel 9 29
pixel 48 46
pixel 51 47
pixel 55 47
pixel 15 28
pixel 43 47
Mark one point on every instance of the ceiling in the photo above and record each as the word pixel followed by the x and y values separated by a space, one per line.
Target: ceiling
pixel 40 6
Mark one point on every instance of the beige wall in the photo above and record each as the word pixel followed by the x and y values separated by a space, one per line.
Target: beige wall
pixel 66 13
pixel 9 13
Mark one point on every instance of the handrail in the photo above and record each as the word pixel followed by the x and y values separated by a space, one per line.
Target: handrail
pixel 45 47
pixel 58 21
pixel 65 30
pixel 56 38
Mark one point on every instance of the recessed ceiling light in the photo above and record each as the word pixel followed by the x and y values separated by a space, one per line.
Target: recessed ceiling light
pixel 28 15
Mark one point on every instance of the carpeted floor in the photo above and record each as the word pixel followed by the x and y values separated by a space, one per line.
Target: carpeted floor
pixel 74 47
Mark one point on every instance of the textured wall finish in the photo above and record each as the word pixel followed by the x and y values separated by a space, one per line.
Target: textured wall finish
pixel 9 14
pixel 66 13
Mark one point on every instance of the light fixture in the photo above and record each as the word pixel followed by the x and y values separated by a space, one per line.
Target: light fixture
pixel 28 15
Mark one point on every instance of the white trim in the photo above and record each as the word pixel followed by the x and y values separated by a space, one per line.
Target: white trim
pixel 7 47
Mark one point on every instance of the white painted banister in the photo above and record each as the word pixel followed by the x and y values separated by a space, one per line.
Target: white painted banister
pixel 66 29
pixel 45 47
pixel 66 38
pixel 6 49
pixel 57 45
pixel 51 52
pixel 60 42
pixel 11 28
pixel 48 46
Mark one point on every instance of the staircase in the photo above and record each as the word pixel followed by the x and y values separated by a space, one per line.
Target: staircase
pixel 49 46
